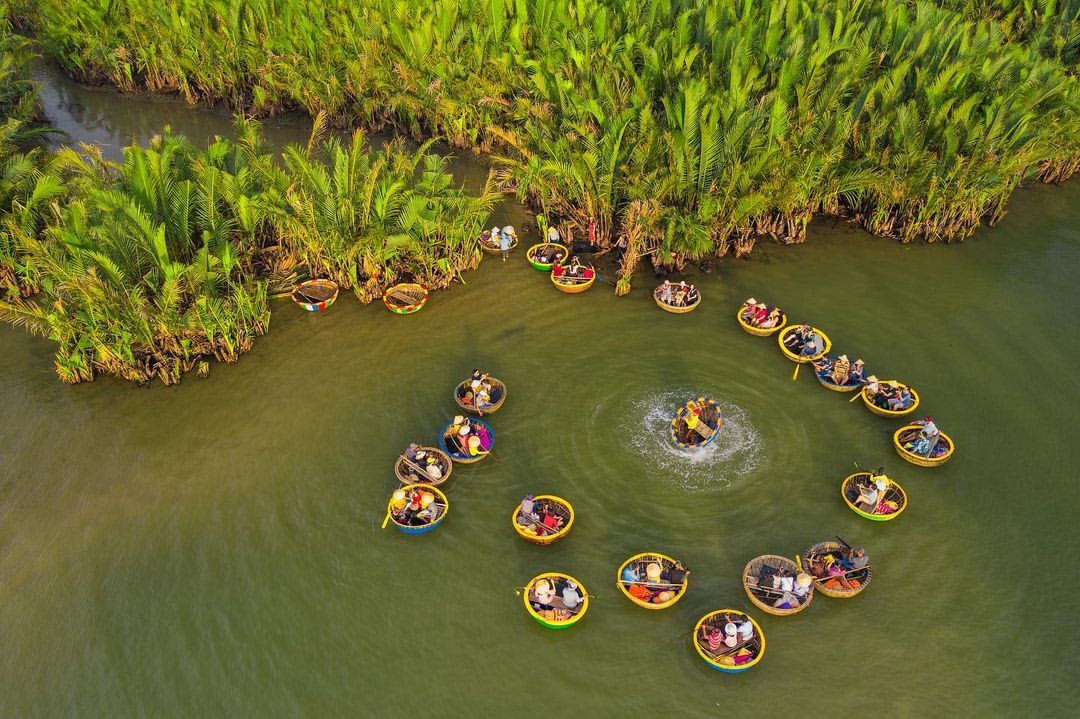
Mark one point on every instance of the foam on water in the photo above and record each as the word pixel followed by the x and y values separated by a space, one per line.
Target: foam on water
pixel 732 455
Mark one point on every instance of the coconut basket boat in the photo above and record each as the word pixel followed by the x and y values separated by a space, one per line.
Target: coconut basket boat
pixel 551 612
pixel 663 590
pixel 941 453
pixel 497 395
pixel 826 345
pixel 572 284
pixel 440 502
pixel 757 581
pixel 408 472
pixel 824 377
pixel 884 412
pixel 537 531
pixel 673 308
pixel 815 561
pixel 707 429
pixel 760 331
pixel 315 295
pixel 405 298
pixel 895 495
pixel 731 660
pixel 477 428
pixel 490 245
pixel 561 254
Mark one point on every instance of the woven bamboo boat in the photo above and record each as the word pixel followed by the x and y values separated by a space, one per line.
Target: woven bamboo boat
pixel 560 251
pixel 943 452
pixel 708 428
pixel 416 473
pixel 491 246
pixel 849 490
pixel 798 358
pixel 826 381
pixel 554 614
pixel 845 586
pixel 674 309
pixel 881 411
pixel 441 503
pixel 760 331
pixel 315 295
pixel 572 285
pixel 731 660
pixel 639 564
pixel 764 595
pixel 538 532
pixel 405 298
pixel 497 394
pixel 478 428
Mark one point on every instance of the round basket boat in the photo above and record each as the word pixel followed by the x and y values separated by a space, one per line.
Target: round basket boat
pixel 826 345
pixel 732 660
pixel 707 429
pixel 757 581
pixel 409 472
pixel 825 379
pixel 894 494
pixel 941 453
pixel 673 308
pixel 572 285
pixel 550 610
pixel 491 246
pixel 315 295
pixel 478 428
pixel 883 412
pixel 537 530
pixel 663 591
pixel 497 395
pixel 440 503
pixel 760 331
pixel 406 298
pixel 818 558
pixel 560 253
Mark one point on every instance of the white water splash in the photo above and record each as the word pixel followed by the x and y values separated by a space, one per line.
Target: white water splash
pixel 731 455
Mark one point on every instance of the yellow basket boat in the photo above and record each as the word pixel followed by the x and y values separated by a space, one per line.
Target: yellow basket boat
pixel 881 411
pixel 552 612
pixel 572 285
pixel 675 309
pixel 942 453
pixel 731 660
pixel 800 359
pixel 849 490
pixel 536 531
pixel 845 586
pixel 639 564
pixel 763 595
pixel 760 331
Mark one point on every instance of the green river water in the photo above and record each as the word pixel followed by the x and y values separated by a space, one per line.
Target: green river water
pixel 214 549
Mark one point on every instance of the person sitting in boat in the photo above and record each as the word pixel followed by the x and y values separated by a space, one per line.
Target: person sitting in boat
pixel 429 509
pixel 857 373
pixel 796 338
pixel 411 451
pixel 553 235
pixel 413 505
pixel 731 634
pixel 873 388
pixel 574 269
pixel 802 586
pixel 665 292
pixel 433 470
pixel 745 629
pixel 901 400
pixel 571 597
pixel 787 600
pixel 477 379
pixel 398 500
pixel 680 294
pixel 772 319
pixel 926 441
pixel 823 367
pixel 856 559
pixel 692 295
pixel 527 515
pixel 840 370
pixel 542 595
pixel 713 637
pixel 495 234
pixel 811 344
pixel 473 447
pixel 749 310
pixel 483 397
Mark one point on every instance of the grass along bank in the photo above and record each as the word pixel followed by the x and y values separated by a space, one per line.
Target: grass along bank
pixel 681 128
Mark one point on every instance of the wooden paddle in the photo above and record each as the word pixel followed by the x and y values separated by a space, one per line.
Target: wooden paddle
pixel 387 520
pixel 653 584
pixel 421 470
pixel 795 374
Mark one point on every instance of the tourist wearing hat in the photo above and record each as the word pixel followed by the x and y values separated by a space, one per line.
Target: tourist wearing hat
pixel 434 471
pixel 571 597
pixel 857 375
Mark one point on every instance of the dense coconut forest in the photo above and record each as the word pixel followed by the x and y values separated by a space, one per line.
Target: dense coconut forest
pixel 677 130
